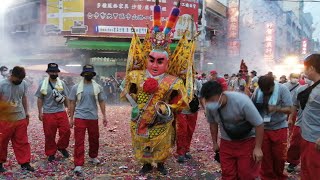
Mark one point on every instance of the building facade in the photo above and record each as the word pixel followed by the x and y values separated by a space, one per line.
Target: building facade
pixel 28 42
pixel 264 33
pixel 212 45
pixel 21 29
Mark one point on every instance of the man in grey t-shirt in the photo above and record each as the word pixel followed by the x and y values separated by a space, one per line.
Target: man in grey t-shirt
pixel 293 83
pixel 310 126
pixel 13 92
pixel 274 103
pixel 240 158
pixel 51 103
pixel 4 72
pixel 238 84
pixel 186 121
pixel 292 86
pixel 294 151
pixel 84 97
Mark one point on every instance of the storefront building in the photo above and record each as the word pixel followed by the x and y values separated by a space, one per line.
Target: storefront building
pixel 100 32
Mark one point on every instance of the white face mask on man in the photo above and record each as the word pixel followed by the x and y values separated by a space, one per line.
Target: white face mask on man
pixel 294 80
pixel 212 106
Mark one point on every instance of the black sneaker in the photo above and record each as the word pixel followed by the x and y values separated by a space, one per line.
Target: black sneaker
pixel 51 158
pixel 145 169
pixel 188 156
pixel 2 169
pixel 26 166
pixel 162 169
pixel 181 159
pixel 291 168
pixel 64 152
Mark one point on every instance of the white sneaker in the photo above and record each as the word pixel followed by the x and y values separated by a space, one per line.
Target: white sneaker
pixel 78 169
pixel 94 161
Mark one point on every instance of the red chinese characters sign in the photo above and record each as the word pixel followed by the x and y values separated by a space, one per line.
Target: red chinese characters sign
pixel 233 28
pixel 115 18
pixel 304 46
pixel 269 41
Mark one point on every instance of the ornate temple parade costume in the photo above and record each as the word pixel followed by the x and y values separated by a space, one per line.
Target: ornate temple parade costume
pixel 155 81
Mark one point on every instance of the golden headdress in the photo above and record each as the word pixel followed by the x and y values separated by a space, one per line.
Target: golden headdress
pixel 158 38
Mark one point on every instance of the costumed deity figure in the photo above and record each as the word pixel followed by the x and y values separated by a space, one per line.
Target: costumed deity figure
pixel 155 93
pixel 244 71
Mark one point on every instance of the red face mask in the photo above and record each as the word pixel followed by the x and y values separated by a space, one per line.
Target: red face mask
pixel 157 63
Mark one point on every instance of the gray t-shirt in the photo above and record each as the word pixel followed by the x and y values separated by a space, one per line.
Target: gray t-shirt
pixel 87 107
pixel 297 104
pixel 310 126
pixel 294 88
pixel 49 104
pixel 278 120
pixel 13 94
pixel 239 108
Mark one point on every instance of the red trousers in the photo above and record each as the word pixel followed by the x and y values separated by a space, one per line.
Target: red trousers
pixel 51 123
pixel 81 125
pixel 293 154
pixel 236 160
pixel 310 161
pixel 274 148
pixel 186 124
pixel 15 131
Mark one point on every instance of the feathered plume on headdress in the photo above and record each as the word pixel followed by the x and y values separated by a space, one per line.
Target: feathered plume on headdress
pixel 161 37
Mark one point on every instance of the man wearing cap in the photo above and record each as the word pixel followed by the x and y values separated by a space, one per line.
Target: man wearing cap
pixel 84 97
pixel 310 126
pixel 4 72
pixel 52 102
pixel 14 92
pixel 222 81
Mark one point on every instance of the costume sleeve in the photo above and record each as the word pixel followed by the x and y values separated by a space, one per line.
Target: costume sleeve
pixel 179 102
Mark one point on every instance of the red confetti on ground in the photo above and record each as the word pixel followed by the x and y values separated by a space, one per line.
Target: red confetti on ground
pixel 115 154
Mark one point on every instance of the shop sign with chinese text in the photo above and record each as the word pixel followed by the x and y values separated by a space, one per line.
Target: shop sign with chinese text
pixel 115 18
pixel 269 41
pixel 233 28
pixel 304 46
